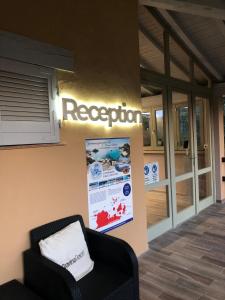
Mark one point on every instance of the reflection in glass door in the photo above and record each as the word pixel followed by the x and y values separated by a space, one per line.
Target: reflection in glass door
pixel 157 183
pixel 203 148
pixel 182 160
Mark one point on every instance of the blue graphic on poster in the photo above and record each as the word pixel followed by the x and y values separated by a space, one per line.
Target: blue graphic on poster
pixel 110 202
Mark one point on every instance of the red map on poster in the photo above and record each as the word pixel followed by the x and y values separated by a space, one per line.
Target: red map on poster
pixel 103 218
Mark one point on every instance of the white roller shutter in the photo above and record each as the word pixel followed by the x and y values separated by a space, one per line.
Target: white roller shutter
pixel 27 104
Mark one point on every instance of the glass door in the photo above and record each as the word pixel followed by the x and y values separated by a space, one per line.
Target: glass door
pixel 204 183
pixel 177 157
pixel 182 157
pixel 156 162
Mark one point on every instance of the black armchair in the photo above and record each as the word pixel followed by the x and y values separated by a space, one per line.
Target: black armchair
pixel 114 277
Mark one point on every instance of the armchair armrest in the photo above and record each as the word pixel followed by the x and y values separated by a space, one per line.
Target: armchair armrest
pixel 48 279
pixel 113 251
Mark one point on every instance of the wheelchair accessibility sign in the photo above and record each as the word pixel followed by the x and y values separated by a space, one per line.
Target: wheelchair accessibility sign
pixel 151 172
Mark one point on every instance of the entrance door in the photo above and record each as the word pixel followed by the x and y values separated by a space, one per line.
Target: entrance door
pixel 204 183
pixel 156 162
pixel 182 157
pixel 177 157
pixel 191 160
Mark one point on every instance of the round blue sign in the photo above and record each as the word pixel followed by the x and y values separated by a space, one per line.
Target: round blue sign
pixel 146 170
pixel 126 189
pixel 154 168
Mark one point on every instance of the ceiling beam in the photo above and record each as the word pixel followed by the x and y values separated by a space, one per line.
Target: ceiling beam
pixel 154 41
pixel 147 91
pixel 145 64
pixel 219 90
pixel 207 8
pixel 189 44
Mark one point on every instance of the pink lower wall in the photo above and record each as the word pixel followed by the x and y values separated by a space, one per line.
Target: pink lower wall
pixel 45 183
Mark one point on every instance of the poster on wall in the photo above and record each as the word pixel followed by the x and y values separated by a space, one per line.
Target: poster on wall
pixel 151 172
pixel 110 202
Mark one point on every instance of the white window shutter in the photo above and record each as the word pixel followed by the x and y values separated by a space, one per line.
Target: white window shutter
pixel 27 104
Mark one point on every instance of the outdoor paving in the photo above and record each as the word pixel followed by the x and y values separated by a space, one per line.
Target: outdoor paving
pixel 187 263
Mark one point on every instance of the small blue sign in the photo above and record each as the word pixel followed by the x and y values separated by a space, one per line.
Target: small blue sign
pixel 126 189
pixel 154 168
pixel 146 170
pixel 151 172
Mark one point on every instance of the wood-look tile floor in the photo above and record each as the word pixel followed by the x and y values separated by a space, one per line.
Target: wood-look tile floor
pixel 187 263
pixel 157 205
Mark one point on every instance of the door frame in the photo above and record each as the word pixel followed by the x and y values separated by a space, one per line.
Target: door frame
pixel 161 227
pixel 204 203
pixel 170 84
pixel 179 217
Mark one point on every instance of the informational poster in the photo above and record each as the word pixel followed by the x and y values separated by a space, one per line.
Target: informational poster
pixel 110 200
pixel 151 172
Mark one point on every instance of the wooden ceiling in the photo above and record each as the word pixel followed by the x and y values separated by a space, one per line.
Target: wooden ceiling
pixel 200 27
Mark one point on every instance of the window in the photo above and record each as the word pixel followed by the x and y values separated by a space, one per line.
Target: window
pixel 153 123
pixel 159 127
pixel 146 122
pixel 184 125
pixel 181 127
pixel 28 89
pixel 153 119
pixel 153 126
pixel 201 125
pixel 27 104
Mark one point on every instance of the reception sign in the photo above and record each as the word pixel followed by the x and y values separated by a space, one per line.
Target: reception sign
pixel 110 201
pixel 72 110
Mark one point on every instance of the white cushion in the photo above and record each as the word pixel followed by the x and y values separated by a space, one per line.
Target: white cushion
pixel 68 248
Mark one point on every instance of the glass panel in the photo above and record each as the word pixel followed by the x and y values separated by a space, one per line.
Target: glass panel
pixel 179 62
pixel 182 133
pixel 199 124
pixel 159 127
pixel 154 134
pixel 205 185
pixel 183 126
pixel 184 194
pixel 146 125
pixel 151 44
pixel 203 132
pixel 200 77
pixel 157 205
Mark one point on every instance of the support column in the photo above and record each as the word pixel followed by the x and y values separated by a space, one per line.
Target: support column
pixel 218 119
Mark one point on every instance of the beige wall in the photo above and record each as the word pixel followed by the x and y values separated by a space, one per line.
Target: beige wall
pixel 42 184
